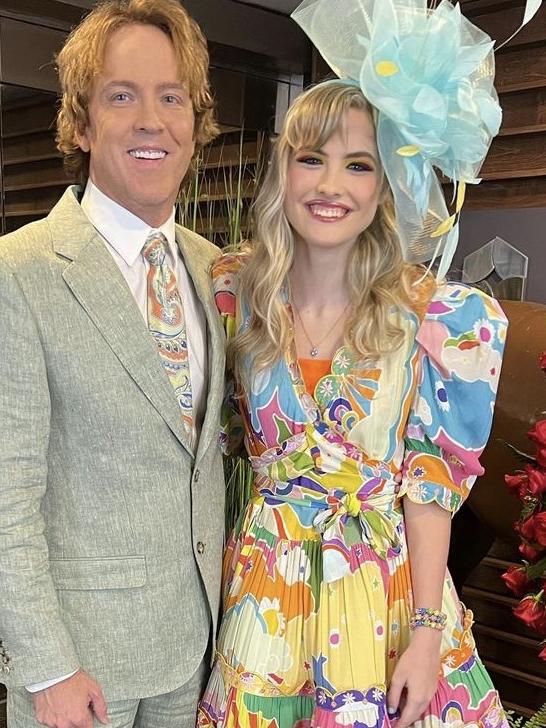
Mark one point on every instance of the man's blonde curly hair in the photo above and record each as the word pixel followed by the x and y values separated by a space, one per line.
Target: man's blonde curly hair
pixel 81 59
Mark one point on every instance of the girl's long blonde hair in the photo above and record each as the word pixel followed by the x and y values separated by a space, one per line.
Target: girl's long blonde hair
pixel 378 278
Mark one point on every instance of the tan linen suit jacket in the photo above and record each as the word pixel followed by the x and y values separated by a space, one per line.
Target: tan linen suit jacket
pixel 111 527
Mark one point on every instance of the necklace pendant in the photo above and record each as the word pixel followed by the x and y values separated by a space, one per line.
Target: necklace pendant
pixel 313 352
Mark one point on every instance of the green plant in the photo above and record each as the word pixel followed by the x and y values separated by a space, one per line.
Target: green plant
pixel 239 476
pixel 223 192
pixel 217 201
pixel 538 720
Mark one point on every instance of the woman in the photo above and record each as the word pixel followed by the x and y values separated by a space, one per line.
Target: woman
pixel 350 366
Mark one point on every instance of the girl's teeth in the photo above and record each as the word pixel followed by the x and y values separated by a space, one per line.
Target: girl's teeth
pixel 328 212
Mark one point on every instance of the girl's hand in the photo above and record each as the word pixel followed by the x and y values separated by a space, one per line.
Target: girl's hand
pixel 415 677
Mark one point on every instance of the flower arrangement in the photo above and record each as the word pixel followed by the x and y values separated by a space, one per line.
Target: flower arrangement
pixel 528 581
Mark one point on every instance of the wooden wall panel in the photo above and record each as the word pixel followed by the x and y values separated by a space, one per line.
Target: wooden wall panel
pixel 524 112
pixel 514 172
pixel 501 23
pixel 515 157
pixel 510 193
pixel 524 68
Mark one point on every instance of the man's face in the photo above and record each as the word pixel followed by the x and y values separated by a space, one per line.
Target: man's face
pixel 141 123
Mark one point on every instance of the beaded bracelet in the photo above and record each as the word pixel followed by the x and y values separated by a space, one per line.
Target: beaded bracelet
pixel 424 617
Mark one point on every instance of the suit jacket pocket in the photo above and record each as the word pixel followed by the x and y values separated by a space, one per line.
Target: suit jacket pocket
pixel 116 572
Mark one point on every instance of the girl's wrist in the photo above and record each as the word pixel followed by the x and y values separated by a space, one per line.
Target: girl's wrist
pixel 428 617
pixel 426 637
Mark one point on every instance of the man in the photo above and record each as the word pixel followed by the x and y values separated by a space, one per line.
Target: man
pixel 111 484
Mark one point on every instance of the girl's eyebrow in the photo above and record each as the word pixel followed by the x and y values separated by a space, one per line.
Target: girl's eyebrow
pixel 351 155
pixel 360 154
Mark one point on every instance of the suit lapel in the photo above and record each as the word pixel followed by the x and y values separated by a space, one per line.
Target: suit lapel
pixel 198 264
pixel 98 285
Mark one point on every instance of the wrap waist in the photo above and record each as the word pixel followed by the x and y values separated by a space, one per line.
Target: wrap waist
pixel 311 470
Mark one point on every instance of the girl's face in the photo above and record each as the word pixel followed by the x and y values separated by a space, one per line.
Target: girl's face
pixel 332 193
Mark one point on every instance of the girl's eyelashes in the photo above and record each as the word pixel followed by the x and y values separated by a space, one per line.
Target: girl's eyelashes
pixel 308 159
pixel 360 167
pixel 313 160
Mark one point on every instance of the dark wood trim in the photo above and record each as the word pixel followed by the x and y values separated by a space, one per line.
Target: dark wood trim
pixel 48 13
pixel 524 112
pixel 498 599
pixel 498 634
pixel 535 680
pixel 518 709
pixel 500 22
pixel 510 193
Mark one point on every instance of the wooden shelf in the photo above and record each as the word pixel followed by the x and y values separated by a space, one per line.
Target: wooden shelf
pixel 509 193
pixel 217 225
pixel 498 599
pixel 39 185
pixel 518 709
pixel 29 159
pixel 524 112
pixel 27 132
pixel 229 155
pixel 514 639
pixel 247 162
pixel 518 156
pixel 535 680
pixel 521 69
pixel 28 213
pixel 217 192
pixel 501 23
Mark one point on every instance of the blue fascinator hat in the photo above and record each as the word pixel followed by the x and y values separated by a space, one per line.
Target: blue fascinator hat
pixel 429 73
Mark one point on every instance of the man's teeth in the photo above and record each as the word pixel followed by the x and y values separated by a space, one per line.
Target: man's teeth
pixel 328 211
pixel 147 153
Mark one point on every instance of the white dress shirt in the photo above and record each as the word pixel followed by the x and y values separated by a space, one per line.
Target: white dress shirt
pixel 124 235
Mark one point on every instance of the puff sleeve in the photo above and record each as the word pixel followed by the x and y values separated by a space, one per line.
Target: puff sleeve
pixel 460 343
pixel 224 279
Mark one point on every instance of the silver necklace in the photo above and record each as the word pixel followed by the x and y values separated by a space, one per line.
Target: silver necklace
pixel 316 347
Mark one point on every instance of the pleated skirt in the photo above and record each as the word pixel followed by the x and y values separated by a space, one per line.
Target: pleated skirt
pixel 296 652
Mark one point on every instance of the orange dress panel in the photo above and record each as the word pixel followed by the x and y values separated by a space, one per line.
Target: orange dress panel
pixel 312 370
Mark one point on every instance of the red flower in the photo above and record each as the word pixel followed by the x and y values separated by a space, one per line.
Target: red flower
pixel 537 481
pixel 528 552
pixel 526 529
pixel 532 612
pixel 516 580
pixel 539 526
pixel 542 361
pixel 540 624
pixel 538 432
pixel 541 456
pixel 517 484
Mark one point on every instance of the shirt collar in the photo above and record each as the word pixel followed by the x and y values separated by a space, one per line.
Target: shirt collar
pixel 125 232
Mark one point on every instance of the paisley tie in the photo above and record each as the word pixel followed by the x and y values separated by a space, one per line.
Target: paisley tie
pixel 166 322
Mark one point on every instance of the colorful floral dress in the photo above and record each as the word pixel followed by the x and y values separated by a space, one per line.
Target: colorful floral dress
pixel 317 587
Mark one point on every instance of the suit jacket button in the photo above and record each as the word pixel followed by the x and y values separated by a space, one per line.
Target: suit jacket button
pixel 196 476
pixel 200 547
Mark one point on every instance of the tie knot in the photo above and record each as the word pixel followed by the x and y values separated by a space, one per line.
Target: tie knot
pixel 155 248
